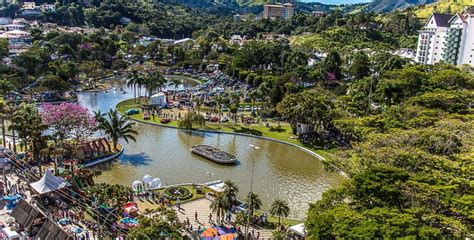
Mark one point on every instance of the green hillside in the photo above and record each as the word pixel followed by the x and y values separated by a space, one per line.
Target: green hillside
pixel 443 6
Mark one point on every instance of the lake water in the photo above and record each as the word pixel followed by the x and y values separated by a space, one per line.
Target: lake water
pixel 281 171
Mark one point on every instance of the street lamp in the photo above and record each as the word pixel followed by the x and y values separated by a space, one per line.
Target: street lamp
pixel 255 148
pixel 210 175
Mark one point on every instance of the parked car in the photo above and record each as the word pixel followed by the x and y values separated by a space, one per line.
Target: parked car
pixel 248 108
pixel 214 119
pixel 165 120
pixel 132 111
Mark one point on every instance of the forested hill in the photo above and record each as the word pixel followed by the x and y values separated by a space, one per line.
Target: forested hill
pixel 390 5
pixel 443 6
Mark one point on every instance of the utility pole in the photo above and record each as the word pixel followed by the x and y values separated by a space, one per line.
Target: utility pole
pixel 251 191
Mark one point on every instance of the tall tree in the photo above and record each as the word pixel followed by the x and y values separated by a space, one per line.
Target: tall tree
pixel 230 191
pixel 253 202
pixel 220 205
pixel 280 209
pixel 28 124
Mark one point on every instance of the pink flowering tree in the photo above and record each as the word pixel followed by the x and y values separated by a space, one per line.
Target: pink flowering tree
pixel 68 121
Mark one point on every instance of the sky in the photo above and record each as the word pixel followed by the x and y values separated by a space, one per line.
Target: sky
pixel 336 1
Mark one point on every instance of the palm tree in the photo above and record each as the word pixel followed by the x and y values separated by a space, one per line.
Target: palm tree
pixel 219 101
pixel 220 205
pixel 234 107
pixel 55 152
pixel 253 202
pixel 3 117
pixel 135 80
pixel 280 208
pixel 117 127
pixel 153 81
pixel 7 114
pixel 230 191
pixel 175 82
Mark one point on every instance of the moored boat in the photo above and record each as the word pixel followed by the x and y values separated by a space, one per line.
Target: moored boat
pixel 213 154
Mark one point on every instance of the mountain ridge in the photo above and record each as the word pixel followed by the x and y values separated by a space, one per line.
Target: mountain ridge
pixel 379 6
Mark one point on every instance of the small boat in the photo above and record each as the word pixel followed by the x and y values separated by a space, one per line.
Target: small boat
pixel 213 154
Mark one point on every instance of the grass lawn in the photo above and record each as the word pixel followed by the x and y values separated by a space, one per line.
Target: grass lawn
pixel 274 220
pixel 281 131
pixel 144 204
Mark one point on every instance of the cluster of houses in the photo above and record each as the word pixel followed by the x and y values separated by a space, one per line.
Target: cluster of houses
pixel 30 9
pixel 15 31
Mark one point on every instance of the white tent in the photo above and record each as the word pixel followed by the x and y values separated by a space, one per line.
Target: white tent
pixel 298 229
pixel 48 183
pixel 155 183
pixel 158 99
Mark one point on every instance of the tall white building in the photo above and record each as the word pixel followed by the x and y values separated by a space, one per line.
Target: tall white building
pixel 432 39
pixel 460 41
pixel 447 38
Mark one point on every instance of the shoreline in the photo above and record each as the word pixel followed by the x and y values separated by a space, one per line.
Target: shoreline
pixel 105 159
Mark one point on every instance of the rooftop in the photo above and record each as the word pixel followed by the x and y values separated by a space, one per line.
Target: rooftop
pixel 442 19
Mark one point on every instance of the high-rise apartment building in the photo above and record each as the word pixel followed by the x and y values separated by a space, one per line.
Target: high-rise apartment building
pixel 448 38
pixel 284 11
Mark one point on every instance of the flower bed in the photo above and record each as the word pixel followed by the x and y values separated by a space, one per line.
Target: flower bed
pixel 174 193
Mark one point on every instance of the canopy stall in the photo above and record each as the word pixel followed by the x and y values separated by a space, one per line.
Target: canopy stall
pixel 298 229
pixel 48 183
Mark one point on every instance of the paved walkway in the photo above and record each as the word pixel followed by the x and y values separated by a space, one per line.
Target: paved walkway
pixel 201 206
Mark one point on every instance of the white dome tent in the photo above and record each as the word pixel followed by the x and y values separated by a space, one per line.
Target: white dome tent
pixel 147 180
pixel 137 186
pixel 155 183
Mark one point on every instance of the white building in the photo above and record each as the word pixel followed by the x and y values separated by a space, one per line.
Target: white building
pixel 451 41
pixel 460 40
pixel 158 99
pixel 432 39
pixel 283 11
pixel 407 53
pixel 5 21
pixel 29 5
pixel 11 27
pixel 17 37
pixel 48 7
pixel 18 41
